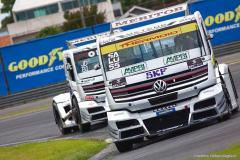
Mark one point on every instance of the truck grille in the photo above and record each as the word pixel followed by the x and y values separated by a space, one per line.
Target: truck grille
pixel 94 89
pixel 167 121
pixel 175 82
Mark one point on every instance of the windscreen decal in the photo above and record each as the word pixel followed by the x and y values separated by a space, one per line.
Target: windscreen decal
pixel 156 73
pixel 176 58
pixel 133 69
pixel 84 66
pixel 148 38
pixel 113 61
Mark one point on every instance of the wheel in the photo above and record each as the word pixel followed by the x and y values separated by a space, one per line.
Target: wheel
pixel 124 146
pixel 228 103
pixel 77 117
pixel 59 121
pixel 234 90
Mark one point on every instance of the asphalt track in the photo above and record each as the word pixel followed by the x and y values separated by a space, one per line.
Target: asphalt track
pixel 192 142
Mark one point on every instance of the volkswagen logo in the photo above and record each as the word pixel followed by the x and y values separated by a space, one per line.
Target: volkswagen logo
pixel 160 86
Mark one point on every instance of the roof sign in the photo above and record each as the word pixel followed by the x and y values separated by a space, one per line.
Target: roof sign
pixel 150 16
pixel 84 40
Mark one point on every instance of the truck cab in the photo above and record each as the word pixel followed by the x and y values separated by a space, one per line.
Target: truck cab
pixel 162 77
pixel 88 105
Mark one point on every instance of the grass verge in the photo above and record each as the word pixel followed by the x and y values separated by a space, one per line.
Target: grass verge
pixel 22 111
pixel 231 153
pixel 70 149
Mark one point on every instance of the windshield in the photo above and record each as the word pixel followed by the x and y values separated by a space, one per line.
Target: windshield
pixel 86 60
pixel 151 46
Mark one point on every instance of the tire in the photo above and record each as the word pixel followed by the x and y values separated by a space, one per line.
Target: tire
pixel 124 146
pixel 77 117
pixel 228 103
pixel 59 121
pixel 234 90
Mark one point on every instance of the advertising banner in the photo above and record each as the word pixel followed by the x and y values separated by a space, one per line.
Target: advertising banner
pixel 3 87
pixel 150 18
pixel 221 17
pixel 37 63
pixel 101 28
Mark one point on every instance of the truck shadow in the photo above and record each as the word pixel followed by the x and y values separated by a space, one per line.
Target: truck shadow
pixel 180 132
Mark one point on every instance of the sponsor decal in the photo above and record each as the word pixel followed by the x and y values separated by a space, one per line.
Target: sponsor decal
pixel 156 73
pixel 176 58
pixel 165 110
pixel 193 63
pixel 134 69
pixel 149 16
pixel 88 38
pixel 85 54
pixel 113 61
pixel 89 80
pixel 119 82
pixel 147 38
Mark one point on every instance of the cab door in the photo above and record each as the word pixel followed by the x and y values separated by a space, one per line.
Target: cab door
pixel 70 73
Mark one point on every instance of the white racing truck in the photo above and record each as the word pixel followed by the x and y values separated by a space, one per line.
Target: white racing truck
pixel 85 105
pixel 162 77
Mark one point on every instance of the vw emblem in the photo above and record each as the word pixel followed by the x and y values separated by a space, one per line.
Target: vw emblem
pixel 160 86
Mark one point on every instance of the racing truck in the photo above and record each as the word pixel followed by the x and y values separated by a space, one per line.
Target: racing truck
pixel 85 104
pixel 162 77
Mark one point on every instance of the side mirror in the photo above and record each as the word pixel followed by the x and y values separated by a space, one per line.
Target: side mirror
pixel 210 36
pixel 97 66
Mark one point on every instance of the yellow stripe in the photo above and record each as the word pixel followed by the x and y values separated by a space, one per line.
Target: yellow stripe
pixel 108 49
pixel 189 27
pixel 148 38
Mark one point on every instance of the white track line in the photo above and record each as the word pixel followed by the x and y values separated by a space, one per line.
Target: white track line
pixel 28 141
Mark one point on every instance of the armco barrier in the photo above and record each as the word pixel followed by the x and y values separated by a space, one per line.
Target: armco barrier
pixel 222 18
pixel 37 63
pixel 3 86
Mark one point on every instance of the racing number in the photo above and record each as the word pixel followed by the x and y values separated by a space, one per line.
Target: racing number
pixel 113 61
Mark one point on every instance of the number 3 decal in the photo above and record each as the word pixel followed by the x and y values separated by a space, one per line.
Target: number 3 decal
pixel 113 61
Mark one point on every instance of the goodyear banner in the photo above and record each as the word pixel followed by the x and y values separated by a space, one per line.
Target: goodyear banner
pixel 37 63
pixel 3 87
pixel 222 18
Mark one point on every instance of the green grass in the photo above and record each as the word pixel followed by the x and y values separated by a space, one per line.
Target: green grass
pixel 22 111
pixel 231 153
pixel 71 149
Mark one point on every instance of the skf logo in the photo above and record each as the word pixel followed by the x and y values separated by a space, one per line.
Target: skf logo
pixel 49 59
pixel 223 17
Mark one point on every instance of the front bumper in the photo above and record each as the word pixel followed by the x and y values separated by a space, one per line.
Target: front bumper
pixel 209 104
pixel 94 113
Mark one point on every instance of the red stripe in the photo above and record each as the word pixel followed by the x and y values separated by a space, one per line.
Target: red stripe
pixel 93 86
